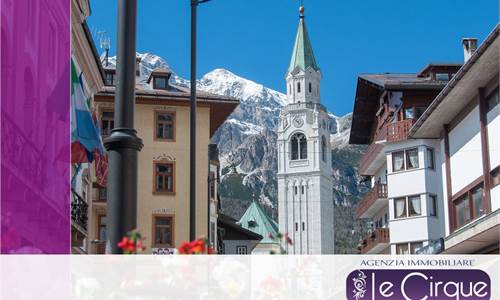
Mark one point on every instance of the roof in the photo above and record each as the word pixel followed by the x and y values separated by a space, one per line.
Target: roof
pixel 475 73
pixel 393 81
pixel 220 106
pixel 371 86
pixel 256 220
pixel 229 223
pixel 95 54
pixel 302 54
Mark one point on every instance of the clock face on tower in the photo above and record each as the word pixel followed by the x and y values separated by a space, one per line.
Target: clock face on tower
pixel 298 122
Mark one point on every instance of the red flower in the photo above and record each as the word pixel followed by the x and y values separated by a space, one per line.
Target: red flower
pixel 127 245
pixel 198 246
pixel 271 236
pixel 184 248
pixel 288 239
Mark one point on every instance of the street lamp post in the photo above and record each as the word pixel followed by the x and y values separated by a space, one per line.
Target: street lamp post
pixel 123 145
pixel 192 150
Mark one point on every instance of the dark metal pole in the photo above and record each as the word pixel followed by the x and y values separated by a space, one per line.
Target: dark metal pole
pixel 123 144
pixel 192 153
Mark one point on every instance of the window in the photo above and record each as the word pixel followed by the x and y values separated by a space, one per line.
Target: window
pixel 164 177
pixel 296 226
pixel 212 234
pixel 405 160
pixel 414 207
pixel 299 146
pixel 495 177
pixel 415 246
pixel 492 100
pixel 298 87
pixel 407 207
pixel 432 205
pixel 462 211
pixel 400 208
pixel 241 250
pixel 107 122
pixel 303 190
pixel 163 231
pixel 419 111
pixel 408 248
pixel 477 201
pixel 323 148
pixel 160 82
pixel 408 113
pixel 310 87
pixel 101 233
pixel 402 248
pixel 102 194
pixel 411 159
pixel 442 77
pixel 296 190
pixel 110 78
pixel 211 178
pixel 303 226
pixel 398 161
pixel 289 88
pixel 165 126
pixel 469 206
pixel 429 160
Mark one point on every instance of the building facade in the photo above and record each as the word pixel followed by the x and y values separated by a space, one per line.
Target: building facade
pixel 464 123
pixel 162 122
pixel 305 183
pixel 414 154
pixel 87 64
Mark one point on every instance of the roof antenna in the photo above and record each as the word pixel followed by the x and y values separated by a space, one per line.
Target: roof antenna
pixel 104 43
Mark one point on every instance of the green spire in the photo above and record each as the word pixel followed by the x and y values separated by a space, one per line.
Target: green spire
pixel 302 55
pixel 256 220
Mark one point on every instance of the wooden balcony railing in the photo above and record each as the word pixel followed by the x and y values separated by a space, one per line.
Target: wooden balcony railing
pixel 378 236
pixel 399 131
pixel 379 191
pixel 372 151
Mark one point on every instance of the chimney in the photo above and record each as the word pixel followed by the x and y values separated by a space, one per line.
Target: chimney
pixel 470 46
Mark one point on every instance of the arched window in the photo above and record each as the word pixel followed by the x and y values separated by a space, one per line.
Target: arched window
pixel 298 87
pixel 310 87
pixel 323 148
pixel 299 146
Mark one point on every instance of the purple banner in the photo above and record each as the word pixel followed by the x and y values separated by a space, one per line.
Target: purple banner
pixel 35 125
pixel 418 284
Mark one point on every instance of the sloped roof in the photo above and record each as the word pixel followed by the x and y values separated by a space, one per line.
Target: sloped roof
pixel 302 55
pixel 256 220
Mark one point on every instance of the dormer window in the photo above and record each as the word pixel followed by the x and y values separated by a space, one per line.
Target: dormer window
pixel 110 77
pixel 158 79
pixel 160 83
pixel 442 77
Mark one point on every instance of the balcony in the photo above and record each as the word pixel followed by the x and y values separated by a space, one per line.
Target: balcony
pixel 372 202
pixel 374 157
pixel 303 106
pixel 399 131
pixel 375 242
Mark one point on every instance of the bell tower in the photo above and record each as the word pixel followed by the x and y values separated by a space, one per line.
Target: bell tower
pixel 305 183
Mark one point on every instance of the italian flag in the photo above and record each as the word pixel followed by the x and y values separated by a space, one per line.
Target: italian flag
pixel 85 136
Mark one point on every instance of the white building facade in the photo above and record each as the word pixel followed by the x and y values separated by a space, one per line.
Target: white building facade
pixel 433 157
pixel 305 183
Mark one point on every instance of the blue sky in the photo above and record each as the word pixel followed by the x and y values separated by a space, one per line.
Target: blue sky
pixel 254 38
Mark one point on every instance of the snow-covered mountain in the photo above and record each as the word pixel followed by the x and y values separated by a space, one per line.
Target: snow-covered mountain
pixel 247 145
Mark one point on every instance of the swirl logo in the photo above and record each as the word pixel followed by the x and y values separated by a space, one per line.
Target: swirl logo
pixel 359 285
